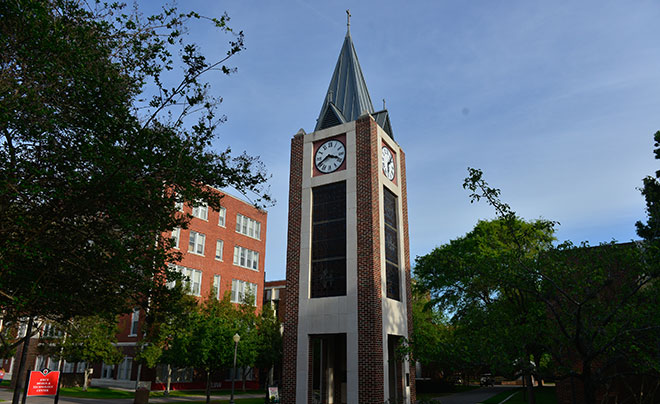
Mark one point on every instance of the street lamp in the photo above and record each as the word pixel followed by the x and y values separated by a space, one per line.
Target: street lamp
pixel 236 338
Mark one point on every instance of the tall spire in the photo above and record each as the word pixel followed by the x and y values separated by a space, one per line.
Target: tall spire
pixel 347 97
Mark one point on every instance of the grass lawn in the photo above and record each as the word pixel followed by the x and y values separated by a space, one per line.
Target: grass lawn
pixel 544 395
pixel 95 392
pixel 185 393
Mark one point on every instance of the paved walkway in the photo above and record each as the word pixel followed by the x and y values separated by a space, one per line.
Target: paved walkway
pixel 473 396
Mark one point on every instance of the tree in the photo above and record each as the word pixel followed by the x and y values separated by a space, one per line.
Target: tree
pixel 103 133
pixel 205 342
pixel 600 302
pixel 269 344
pixel 85 339
pixel 480 280
pixel 650 230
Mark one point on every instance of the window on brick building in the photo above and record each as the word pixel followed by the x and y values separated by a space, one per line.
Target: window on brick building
pixel 176 235
pixel 216 286
pixel 241 289
pixel 328 275
pixel 222 217
pixel 248 227
pixel 196 243
pixel 135 321
pixel 246 258
pixel 192 279
pixel 218 249
pixel 201 211
pixel 124 369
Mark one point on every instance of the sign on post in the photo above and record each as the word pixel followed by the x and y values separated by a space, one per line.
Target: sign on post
pixel 43 383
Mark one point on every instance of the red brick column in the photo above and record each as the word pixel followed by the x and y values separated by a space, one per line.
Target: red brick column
pixel 290 338
pixel 370 324
pixel 406 263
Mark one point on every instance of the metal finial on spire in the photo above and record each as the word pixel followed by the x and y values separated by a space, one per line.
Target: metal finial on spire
pixel 348 20
pixel 384 104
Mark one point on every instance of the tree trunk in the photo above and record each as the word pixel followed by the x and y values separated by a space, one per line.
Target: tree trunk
pixel 20 380
pixel 169 380
pixel 208 386
pixel 139 374
pixel 245 371
pixel 88 370
pixel 529 389
pixel 589 388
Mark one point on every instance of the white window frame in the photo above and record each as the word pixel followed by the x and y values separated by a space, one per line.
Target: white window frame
pixel 135 321
pixel 124 369
pixel 192 279
pixel 239 289
pixel 216 286
pixel 196 243
pixel 248 227
pixel 246 258
pixel 67 367
pixel 219 247
pixel 201 211
pixel 222 217
pixel 176 236
pixel 107 371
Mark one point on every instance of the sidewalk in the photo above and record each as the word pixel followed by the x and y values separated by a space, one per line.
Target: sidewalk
pixel 6 396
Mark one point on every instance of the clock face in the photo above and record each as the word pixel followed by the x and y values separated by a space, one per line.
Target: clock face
pixel 329 156
pixel 388 163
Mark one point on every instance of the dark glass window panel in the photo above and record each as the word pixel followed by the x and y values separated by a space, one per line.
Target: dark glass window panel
pixel 328 275
pixel 390 208
pixel 393 281
pixel 328 278
pixel 391 245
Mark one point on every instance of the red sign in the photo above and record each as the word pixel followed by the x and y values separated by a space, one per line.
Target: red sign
pixel 43 383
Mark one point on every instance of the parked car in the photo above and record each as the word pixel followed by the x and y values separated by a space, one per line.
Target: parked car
pixel 487 380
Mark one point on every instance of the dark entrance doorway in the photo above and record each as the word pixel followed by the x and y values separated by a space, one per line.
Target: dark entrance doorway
pixel 328 368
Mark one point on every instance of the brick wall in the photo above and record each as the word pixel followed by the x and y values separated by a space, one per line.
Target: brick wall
pixel 290 343
pixel 370 338
pixel 406 262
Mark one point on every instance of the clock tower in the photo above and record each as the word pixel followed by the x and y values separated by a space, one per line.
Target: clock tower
pixel 348 261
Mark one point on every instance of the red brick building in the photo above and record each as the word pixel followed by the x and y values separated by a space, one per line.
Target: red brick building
pixel 223 252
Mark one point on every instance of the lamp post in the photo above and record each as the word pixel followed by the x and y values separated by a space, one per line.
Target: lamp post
pixel 236 338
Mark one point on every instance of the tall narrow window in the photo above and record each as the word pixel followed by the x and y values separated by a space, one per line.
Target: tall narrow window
pixel 328 277
pixel 176 233
pixel 392 273
pixel 196 243
pixel 218 249
pixel 216 286
pixel 135 320
pixel 222 214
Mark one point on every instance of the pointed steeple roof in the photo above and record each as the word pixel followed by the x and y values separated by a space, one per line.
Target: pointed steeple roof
pixel 347 97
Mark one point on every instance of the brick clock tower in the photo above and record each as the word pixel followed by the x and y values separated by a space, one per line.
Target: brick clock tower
pixel 348 260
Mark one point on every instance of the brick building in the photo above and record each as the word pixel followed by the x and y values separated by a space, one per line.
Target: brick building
pixel 348 263
pixel 222 252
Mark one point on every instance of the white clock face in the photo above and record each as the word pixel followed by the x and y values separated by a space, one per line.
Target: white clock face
pixel 329 156
pixel 388 163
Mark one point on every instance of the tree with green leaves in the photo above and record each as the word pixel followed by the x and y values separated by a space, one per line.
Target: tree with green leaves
pixel 84 339
pixel 205 341
pixel 479 279
pixel 269 344
pixel 106 123
pixel 599 303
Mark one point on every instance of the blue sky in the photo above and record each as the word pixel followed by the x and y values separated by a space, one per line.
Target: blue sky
pixel 556 101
